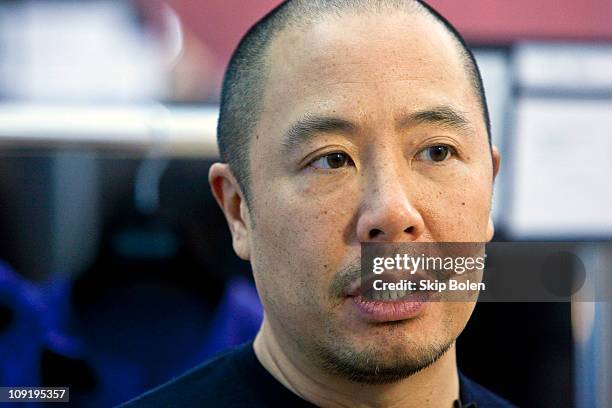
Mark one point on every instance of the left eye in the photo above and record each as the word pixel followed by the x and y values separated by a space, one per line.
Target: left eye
pixel 437 153
pixel 331 161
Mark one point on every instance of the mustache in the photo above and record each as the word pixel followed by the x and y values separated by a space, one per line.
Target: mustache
pixel 351 272
pixel 344 278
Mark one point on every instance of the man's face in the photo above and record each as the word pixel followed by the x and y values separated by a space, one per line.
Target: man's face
pixel 367 162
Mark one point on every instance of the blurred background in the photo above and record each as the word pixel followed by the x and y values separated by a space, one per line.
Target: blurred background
pixel 116 267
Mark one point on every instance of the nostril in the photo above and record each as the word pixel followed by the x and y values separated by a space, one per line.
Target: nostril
pixel 375 232
pixel 409 230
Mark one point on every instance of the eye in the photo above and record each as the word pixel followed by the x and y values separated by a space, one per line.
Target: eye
pixel 437 153
pixel 331 161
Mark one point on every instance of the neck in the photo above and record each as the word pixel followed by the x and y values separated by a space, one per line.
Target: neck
pixel 434 386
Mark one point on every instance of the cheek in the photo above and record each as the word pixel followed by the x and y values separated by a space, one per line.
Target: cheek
pixel 458 211
pixel 297 244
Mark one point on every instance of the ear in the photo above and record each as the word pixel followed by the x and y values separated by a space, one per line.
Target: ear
pixel 496 163
pixel 230 198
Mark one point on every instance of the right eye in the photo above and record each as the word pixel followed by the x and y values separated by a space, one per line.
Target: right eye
pixel 331 161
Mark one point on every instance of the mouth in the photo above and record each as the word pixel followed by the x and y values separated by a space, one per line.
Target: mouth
pixel 408 306
pixel 404 284
pixel 399 300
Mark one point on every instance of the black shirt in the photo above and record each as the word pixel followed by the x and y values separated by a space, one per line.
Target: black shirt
pixel 236 379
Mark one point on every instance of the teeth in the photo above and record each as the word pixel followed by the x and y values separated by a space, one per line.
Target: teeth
pixel 386 295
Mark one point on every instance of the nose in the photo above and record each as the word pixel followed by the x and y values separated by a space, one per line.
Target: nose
pixel 389 215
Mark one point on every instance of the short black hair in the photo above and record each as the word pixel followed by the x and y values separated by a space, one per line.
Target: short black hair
pixel 247 71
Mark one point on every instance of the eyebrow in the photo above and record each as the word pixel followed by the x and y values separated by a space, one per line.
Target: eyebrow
pixel 443 116
pixel 310 125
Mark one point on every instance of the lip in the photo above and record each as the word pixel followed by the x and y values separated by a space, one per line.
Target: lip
pixel 356 287
pixel 380 311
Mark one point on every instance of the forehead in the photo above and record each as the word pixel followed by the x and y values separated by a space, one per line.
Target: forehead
pixel 364 64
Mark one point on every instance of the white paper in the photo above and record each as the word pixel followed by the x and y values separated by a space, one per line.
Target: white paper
pixel 562 169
